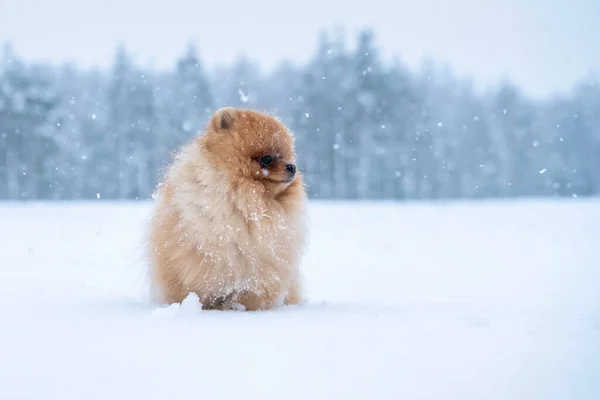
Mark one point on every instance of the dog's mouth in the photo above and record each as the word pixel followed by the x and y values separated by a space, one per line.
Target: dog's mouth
pixel 283 181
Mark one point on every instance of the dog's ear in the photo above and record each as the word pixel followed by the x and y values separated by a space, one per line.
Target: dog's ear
pixel 223 118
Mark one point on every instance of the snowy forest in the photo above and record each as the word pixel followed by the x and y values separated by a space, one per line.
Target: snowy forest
pixel 364 129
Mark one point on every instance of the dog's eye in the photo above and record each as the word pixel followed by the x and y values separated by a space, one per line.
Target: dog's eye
pixel 266 160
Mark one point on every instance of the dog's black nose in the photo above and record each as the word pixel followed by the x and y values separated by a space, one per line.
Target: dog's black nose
pixel 291 168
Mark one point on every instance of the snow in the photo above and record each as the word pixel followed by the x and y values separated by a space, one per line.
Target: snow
pixel 430 301
pixel 243 97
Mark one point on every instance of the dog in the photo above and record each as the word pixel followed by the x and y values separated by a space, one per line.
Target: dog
pixel 229 217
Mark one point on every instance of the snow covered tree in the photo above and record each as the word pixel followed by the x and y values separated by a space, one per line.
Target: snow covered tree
pixel 27 127
pixel 366 108
pixel 319 120
pixel 512 126
pixel 403 141
pixel 571 164
pixel 192 96
pixel 132 120
pixel 476 157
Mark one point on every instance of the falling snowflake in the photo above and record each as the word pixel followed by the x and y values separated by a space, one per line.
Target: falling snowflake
pixel 243 96
pixel 187 126
pixel 543 170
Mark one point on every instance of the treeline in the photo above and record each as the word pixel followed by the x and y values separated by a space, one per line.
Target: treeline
pixel 365 129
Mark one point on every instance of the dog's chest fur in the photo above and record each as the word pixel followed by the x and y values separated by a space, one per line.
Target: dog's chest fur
pixel 237 235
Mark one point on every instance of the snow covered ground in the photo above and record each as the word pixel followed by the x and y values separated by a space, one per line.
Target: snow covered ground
pixel 446 301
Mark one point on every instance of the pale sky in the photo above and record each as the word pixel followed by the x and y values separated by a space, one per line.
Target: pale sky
pixel 542 45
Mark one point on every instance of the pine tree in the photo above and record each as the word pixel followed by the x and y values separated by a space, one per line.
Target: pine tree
pixel 131 122
pixel 27 128
pixel 319 120
pixel 366 108
pixel 192 96
pixel 512 123
pixel 400 137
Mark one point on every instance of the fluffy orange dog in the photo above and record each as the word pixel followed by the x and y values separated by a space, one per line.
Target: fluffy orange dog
pixel 229 218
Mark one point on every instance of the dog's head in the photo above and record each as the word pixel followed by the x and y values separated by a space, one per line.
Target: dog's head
pixel 251 145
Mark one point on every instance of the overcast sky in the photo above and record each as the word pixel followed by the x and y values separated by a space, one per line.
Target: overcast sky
pixel 543 45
